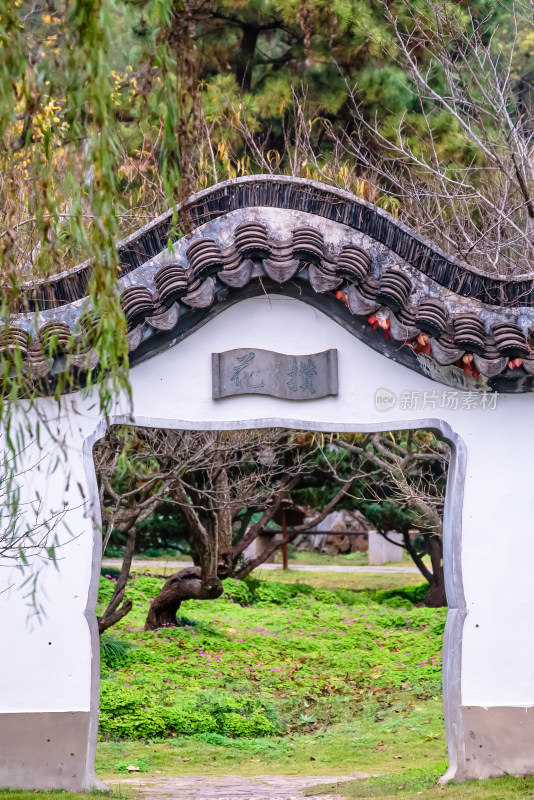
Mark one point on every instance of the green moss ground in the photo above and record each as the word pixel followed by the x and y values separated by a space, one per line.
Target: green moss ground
pixel 300 679
pixel 356 582
pixel 422 785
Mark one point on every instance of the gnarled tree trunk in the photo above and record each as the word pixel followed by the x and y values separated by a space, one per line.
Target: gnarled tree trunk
pixel 436 597
pixel 223 517
pixel 117 606
pixel 184 585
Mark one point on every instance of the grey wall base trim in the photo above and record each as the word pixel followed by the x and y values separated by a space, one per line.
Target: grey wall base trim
pixel 47 750
pixel 499 740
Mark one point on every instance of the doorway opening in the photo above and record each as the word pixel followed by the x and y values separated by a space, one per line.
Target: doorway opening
pixel 215 658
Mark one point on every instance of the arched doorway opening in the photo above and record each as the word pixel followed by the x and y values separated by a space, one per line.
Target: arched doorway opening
pixel 219 670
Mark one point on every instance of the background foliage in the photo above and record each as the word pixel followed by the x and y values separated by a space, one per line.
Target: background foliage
pixel 111 110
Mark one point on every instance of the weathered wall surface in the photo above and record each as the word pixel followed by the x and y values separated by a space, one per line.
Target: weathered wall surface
pixel 48 678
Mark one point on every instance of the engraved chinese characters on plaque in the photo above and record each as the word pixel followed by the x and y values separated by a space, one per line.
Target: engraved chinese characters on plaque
pixel 291 377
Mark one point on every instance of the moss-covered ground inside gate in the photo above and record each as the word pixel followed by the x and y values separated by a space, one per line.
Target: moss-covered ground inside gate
pixel 274 677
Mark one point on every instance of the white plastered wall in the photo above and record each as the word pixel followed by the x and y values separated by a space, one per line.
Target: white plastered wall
pixel 46 665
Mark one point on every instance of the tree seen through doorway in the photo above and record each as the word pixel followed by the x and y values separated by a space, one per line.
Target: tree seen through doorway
pixel 221 489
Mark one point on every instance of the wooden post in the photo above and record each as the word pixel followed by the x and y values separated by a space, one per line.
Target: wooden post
pixel 285 540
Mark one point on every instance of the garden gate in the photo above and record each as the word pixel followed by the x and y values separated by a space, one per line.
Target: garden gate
pixel 416 339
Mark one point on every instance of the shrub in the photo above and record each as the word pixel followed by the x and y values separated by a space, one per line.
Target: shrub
pixel 125 713
pixel 114 653
pixel 189 721
pixel 238 591
pixel 142 763
pixel 243 716
pixel 338 596
pixel 273 593
pixel 239 725
pixel 396 602
pixel 412 594
pixel 132 713
pixel 110 572
pixel 437 625
pixel 155 552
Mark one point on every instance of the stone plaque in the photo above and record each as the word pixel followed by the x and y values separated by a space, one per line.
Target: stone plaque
pixel 253 371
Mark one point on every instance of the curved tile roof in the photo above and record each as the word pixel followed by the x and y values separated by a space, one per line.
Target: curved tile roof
pixel 302 195
pixel 391 287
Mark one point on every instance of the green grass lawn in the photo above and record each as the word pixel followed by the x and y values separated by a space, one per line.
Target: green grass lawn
pixel 274 677
pixel 355 581
pixel 350 559
pixel 422 785
pixel 370 745
pixel 300 558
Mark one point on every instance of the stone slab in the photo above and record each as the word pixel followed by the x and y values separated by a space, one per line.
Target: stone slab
pixel 250 370
pixel 233 787
pixel 382 550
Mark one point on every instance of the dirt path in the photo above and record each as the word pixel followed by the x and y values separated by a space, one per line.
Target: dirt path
pixel 230 787
pixel 114 562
